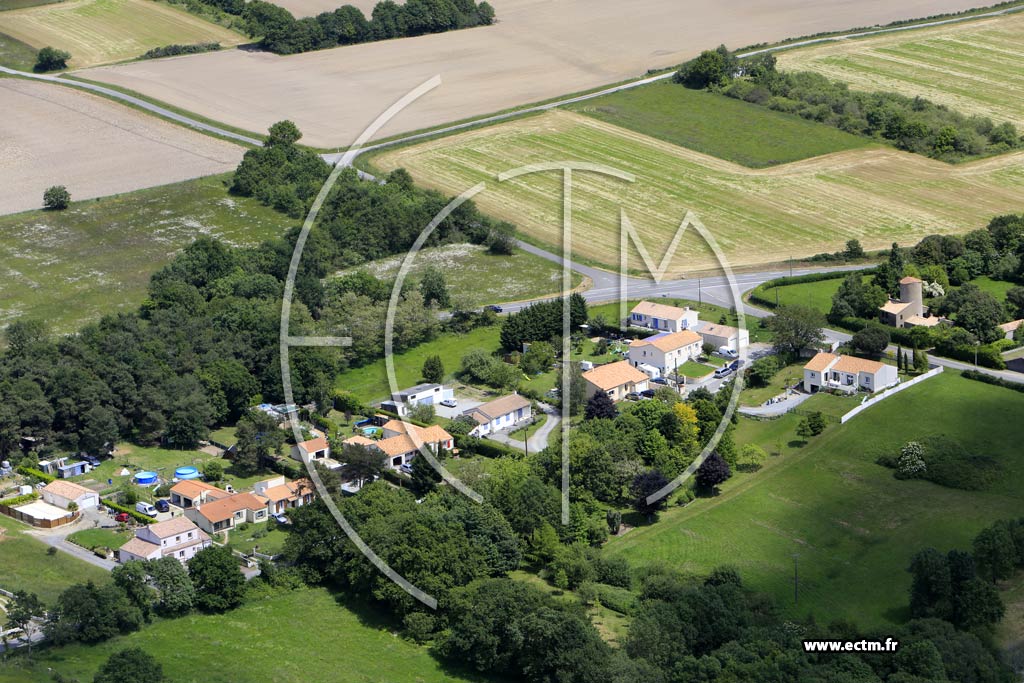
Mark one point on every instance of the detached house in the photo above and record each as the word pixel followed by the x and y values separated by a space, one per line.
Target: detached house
pixel 399 446
pixel 615 379
pixel 421 394
pixel 501 413
pixel 178 538
pixel 660 355
pixel 191 492
pixel 662 317
pixel 63 493
pixel 728 336
pixel 226 513
pixel 281 495
pixel 314 449
pixel 847 373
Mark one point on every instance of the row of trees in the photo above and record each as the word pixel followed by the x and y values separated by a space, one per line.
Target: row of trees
pixel 282 33
pixel 914 124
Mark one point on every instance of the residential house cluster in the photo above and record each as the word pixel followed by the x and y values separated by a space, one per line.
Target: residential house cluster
pixel 213 509
pixel 664 318
pixel 401 441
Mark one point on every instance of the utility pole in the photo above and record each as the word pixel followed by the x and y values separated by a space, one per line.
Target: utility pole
pixel 700 298
pixel 791 266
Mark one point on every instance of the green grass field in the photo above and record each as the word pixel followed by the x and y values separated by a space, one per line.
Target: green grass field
pixel 786 376
pixel 971 66
pixel 851 523
pixel 717 125
pixel 271 544
pixel 96 257
pixel 103 31
pixel 16 54
pixel 370 382
pixel 100 538
pixel 27 566
pixel 757 216
pixel 304 635
pixel 476 278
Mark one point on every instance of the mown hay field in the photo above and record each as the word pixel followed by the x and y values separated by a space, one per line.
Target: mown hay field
pixel 974 67
pixel 757 216
pixel 104 31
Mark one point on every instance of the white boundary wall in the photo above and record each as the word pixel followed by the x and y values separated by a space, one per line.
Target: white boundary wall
pixel 889 392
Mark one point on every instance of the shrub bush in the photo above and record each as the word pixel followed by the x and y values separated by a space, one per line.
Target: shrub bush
pixel 174 50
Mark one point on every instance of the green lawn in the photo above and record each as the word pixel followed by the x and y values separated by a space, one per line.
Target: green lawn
pixel 100 538
pixel 27 566
pixel 271 544
pixel 69 267
pixel 718 125
pixel 708 313
pixel 370 382
pixel 817 295
pixel 694 369
pixel 14 53
pixel 997 288
pixel 786 376
pixel 852 524
pixel 224 435
pixel 294 637
pixel 475 277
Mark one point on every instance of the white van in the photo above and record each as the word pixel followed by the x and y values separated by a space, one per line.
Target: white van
pixel 146 509
pixel 727 352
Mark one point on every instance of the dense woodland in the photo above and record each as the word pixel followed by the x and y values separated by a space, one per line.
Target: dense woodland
pixel 913 124
pixel 282 33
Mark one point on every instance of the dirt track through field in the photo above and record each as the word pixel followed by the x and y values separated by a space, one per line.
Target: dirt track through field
pixel 758 216
pixel 52 135
pixel 538 50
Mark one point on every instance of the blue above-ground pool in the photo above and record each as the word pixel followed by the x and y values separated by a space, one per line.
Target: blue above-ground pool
pixel 188 472
pixel 145 478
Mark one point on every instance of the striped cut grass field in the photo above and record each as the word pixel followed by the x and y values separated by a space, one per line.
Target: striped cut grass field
pixel 757 216
pixel 974 67
pixel 105 31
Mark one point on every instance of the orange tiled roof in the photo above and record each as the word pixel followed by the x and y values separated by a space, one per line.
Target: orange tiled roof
pixel 669 342
pixel 606 377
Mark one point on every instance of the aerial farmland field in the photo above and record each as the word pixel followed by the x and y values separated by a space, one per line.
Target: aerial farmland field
pixel 103 31
pixel 757 216
pixel 535 51
pixel 974 67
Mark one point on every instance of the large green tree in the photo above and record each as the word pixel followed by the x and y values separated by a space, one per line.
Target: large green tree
pixel 217 578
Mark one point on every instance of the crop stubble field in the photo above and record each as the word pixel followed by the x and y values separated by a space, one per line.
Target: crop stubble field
pixel 973 67
pixel 55 135
pixel 537 50
pixel 103 31
pixel 757 216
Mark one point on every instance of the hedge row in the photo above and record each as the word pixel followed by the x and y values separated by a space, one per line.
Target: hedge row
pixel 138 516
pixel 175 50
pixel 38 474
pixel 989 379
pixel 19 500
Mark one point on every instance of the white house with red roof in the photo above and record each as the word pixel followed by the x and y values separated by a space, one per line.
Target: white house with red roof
pixel 848 374
pixel 660 355
pixel 178 538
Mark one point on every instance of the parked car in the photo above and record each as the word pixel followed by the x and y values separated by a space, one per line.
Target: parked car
pixel 727 352
pixel 163 506
pixel 280 519
pixel 145 508
pixel 723 372
pixel 659 380
pixel 449 403
pixel 122 517
pixel 92 460
pixel 647 393
pixel 632 396
pixel 493 307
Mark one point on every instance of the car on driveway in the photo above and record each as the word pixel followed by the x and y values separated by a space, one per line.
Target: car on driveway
pixel 280 519
pixel 162 505
pixel 647 393
pixel 122 517
pixel 723 372
pixel 632 396
pixel 660 380
pixel 449 403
